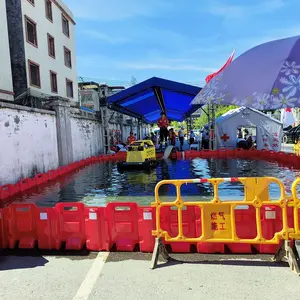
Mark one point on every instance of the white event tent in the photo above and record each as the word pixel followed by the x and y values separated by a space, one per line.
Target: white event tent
pixel 269 131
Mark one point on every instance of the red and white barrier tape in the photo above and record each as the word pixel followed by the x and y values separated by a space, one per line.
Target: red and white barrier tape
pixel 202 180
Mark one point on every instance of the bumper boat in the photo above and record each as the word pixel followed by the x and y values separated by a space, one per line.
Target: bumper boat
pixel 140 155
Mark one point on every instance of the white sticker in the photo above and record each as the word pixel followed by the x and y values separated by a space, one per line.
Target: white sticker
pixel 43 216
pixel 270 215
pixel 93 216
pixel 147 215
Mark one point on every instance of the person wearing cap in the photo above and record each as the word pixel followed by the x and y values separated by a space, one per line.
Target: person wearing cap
pixel 163 124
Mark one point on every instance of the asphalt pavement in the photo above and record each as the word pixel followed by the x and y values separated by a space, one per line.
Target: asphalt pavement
pixel 119 276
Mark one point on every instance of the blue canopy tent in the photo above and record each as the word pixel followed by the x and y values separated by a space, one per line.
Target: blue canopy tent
pixel 146 100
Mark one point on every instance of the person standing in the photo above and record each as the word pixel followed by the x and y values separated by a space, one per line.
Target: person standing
pixel 192 137
pixel 200 140
pixel 172 137
pixel 181 137
pixel 205 138
pixel 163 124
pixel 131 138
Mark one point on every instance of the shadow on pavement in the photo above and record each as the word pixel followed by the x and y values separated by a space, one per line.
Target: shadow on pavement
pixel 21 262
pixel 32 258
pixel 258 260
pixel 225 262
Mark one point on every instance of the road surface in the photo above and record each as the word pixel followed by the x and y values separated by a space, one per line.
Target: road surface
pixel 120 276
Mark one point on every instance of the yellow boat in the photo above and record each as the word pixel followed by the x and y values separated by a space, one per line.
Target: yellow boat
pixel 141 154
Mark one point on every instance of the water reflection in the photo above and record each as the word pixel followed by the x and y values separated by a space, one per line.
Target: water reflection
pixel 102 183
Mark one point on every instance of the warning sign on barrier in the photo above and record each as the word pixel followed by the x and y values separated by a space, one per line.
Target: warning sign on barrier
pixel 219 220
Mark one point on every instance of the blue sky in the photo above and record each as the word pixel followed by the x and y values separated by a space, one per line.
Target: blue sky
pixel 174 39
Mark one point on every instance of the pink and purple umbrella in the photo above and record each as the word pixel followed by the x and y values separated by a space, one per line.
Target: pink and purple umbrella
pixel 265 77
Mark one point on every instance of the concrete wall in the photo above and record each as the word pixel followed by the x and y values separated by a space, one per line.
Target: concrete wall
pixel 40 55
pixel 86 137
pixel 35 141
pixel 28 142
pixel 6 86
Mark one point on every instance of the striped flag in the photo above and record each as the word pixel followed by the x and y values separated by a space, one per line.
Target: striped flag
pixel 211 76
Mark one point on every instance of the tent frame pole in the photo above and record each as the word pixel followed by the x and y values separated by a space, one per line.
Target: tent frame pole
pixel 213 109
pixel 209 126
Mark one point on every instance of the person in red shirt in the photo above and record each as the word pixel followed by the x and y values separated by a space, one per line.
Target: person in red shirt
pixel 131 138
pixel 172 137
pixel 163 124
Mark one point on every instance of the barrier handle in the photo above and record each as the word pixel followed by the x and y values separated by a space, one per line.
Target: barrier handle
pixel 294 189
pixel 62 205
pixel 281 186
pixel 122 204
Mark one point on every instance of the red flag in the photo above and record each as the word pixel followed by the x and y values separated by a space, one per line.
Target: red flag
pixel 211 76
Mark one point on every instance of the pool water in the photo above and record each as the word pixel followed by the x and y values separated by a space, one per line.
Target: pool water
pixel 101 183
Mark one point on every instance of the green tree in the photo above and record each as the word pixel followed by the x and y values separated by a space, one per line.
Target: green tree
pixel 178 125
pixel 219 111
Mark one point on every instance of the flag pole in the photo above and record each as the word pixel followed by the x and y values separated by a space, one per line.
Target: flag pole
pixel 211 107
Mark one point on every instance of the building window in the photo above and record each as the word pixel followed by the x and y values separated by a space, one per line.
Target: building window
pixel 68 59
pixel 65 26
pixel 51 46
pixel 70 92
pixel 31 2
pixel 31 32
pixel 34 74
pixel 48 5
pixel 53 81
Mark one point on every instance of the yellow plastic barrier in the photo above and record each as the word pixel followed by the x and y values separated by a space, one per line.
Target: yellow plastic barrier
pixel 295 203
pixel 220 215
pixel 297 148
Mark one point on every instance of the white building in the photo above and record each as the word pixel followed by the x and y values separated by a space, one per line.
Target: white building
pixel 49 55
pixel 6 87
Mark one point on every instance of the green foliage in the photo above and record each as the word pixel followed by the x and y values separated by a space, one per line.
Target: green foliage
pixel 178 125
pixel 219 111
pixel 200 122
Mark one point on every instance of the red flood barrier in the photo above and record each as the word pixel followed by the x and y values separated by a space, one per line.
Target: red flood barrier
pixel 21 227
pixel 287 159
pixel 41 178
pixel 26 184
pixel 146 224
pixel 271 222
pixel 245 228
pixel 123 225
pixel 8 190
pixel 3 237
pixel 71 225
pixel 169 222
pixel 96 226
pixel 47 228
